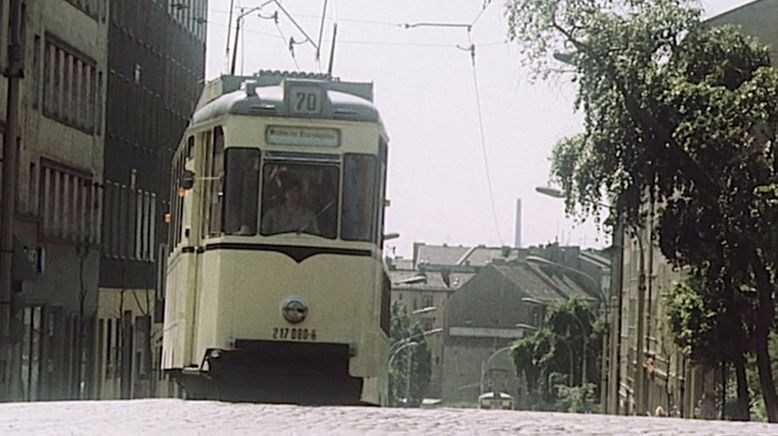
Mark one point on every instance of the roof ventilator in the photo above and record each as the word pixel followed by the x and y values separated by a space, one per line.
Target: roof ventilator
pixel 250 86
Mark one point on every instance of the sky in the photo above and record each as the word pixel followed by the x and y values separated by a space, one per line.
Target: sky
pixel 433 100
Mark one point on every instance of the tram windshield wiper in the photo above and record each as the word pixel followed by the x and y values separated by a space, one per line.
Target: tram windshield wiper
pixel 316 216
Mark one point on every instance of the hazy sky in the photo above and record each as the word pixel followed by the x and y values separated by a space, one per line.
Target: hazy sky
pixel 425 89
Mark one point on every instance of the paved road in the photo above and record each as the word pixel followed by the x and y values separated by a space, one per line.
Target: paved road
pixel 174 417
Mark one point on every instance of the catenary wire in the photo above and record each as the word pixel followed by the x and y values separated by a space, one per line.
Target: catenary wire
pixel 483 141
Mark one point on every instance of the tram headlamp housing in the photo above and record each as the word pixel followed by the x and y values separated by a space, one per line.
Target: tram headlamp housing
pixel 294 309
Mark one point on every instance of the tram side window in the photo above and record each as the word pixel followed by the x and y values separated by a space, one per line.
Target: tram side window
pixel 241 191
pixel 216 172
pixel 300 198
pixel 359 192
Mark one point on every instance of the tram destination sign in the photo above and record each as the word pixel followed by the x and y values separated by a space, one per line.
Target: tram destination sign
pixel 307 136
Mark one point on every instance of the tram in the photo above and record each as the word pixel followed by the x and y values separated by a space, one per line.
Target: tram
pixel 275 287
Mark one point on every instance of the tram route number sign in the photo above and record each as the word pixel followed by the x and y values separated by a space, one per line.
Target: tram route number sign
pixel 295 334
pixel 304 100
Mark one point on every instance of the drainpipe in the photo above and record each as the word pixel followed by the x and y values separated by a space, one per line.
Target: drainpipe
pixel 638 376
pixel 617 274
pixel 8 208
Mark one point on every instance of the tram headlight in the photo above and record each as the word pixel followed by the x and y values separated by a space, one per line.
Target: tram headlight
pixel 294 309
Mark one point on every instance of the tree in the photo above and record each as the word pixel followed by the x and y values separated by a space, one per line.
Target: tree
pixel 712 330
pixel 556 352
pixel 403 384
pixel 677 115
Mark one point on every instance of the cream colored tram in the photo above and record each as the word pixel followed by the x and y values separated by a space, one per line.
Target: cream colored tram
pixel 275 285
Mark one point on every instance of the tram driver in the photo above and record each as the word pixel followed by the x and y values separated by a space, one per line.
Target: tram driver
pixel 291 215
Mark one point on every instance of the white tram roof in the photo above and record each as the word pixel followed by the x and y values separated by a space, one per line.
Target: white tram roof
pixel 263 95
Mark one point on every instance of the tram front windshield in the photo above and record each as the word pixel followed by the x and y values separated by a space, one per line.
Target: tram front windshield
pixel 299 198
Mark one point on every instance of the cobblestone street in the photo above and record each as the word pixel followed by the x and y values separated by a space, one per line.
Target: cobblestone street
pixel 173 417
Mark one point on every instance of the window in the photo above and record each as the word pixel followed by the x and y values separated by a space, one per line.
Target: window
pixel 241 191
pixel 68 204
pixel 176 196
pixel 359 192
pixel 89 7
pixel 36 66
pixel 300 198
pixel 427 301
pixel 68 86
pixel 216 174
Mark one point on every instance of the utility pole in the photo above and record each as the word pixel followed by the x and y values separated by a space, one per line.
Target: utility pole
pixel 14 74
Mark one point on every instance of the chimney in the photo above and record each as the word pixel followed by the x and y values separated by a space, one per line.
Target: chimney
pixel 517 239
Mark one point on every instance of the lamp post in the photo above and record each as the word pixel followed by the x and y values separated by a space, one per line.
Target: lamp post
pixel 485 368
pixel 409 342
pixel 412 337
pixel 408 367
pixel 610 374
pixel 585 341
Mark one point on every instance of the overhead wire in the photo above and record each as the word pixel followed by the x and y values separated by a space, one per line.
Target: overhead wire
pixel 483 139
pixel 291 46
pixel 471 49
pixel 483 9
pixel 321 33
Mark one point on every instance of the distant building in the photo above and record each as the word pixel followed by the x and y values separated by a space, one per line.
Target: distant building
pixel 424 292
pixel 156 60
pixel 505 301
pixel 426 283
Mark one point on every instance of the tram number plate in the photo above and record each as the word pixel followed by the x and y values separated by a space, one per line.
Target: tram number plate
pixel 306 100
pixel 294 334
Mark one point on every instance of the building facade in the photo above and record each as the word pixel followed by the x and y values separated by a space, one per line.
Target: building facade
pixel 505 301
pixel 59 175
pixel 156 65
pixel 424 292
pixel 434 276
pixel 645 368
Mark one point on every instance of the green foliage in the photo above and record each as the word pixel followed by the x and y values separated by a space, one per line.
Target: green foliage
pixel 576 399
pixel 683 116
pixel 554 354
pixel 403 332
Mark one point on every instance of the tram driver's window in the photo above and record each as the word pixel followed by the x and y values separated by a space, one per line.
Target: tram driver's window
pixel 300 198
pixel 241 191
pixel 359 192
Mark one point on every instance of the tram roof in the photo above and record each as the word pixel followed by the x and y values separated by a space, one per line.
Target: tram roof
pixel 263 95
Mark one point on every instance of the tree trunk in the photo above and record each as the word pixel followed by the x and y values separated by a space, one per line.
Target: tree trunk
pixel 766 380
pixel 742 413
pixel 723 390
pixel 764 323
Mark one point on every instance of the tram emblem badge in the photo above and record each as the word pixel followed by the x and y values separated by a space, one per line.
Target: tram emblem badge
pixel 294 309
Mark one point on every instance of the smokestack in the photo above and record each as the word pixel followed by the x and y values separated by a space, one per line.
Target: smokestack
pixel 517 238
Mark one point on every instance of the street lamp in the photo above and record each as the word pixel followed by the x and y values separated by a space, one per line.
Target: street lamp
pixel 549 191
pixel 424 310
pixel 408 367
pixel 585 341
pixel 418 335
pixel 616 278
pixel 484 368
pixel 578 320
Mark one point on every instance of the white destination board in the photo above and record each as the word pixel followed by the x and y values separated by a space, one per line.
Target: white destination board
pixel 311 136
